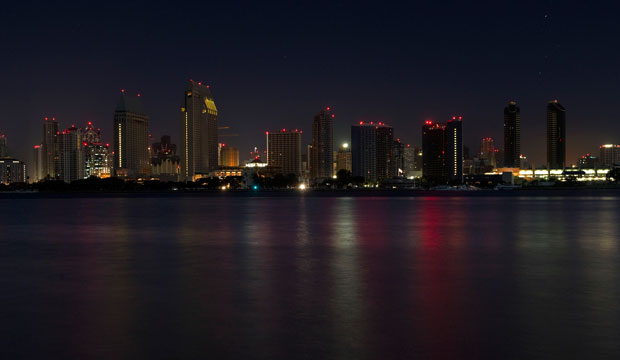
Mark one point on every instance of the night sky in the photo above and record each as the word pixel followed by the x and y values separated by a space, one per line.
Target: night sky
pixel 274 65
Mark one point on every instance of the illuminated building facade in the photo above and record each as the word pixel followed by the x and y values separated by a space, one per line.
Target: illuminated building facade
pixel 343 158
pixel 229 156
pixel 165 163
pixel 97 160
pixel 512 135
pixel 322 153
pixel 610 155
pixel 589 161
pixel 71 155
pixel 131 138
pixel 12 171
pixel 454 149
pixel 556 135
pixel 284 151
pixel 199 133
pixel 51 157
pixel 37 173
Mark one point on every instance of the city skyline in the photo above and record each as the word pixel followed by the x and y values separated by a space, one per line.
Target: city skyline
pixel 402 83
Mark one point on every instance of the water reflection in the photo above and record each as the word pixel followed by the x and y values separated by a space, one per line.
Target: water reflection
pixel 315 277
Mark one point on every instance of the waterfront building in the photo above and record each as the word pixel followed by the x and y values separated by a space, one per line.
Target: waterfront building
pixel 322 153
pixel 71 155
pixel 37 171
pixel 610 155
pixel 229 156
pixel 454 149
pixel 343 158
pixel 50 148
pixel 442 151
pixel 131 138
pixel 199 131
pixel 556 135
pixel 284 151
pixel 12 171
pixel 512 136
pixel 97 157
pixel 433 152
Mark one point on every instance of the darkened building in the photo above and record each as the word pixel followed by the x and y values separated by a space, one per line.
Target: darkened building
pixel 512 135
pixel 371 150
pixel 284 151
pixel 322 159
pixel 131 138
pixel 442 151
pixel 385 144
pixel 398 159
pixel 199 137
pixel 50 166
pixel 433 152
pixel 556 135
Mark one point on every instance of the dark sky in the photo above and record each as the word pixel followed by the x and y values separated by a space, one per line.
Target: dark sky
pixel 274 65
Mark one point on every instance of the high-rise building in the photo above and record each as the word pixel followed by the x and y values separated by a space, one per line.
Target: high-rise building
pixel 71 155
pixel 229 156
pixel 131 138
pixel 454 149
pixel 199 137
pixel 442 151
pixel 165 163
pixel 610 154
pixel 51 157
pixel 412 161
pixel 343 158
pixel 372 150
pixel 37 170
pixel 397 165
pixel 433 152
pixel 487 151
pixel 4 147
pixel 364 151
pixel 512 135
pixel 556 135
pixel 284 151
pixel 12 171
pixel 385 151
pixel 97 161
pixel 321 163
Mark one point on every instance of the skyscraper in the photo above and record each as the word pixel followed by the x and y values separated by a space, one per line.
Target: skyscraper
pixel 364 151
pixel 284 151
pixel 71 155
pixel 385 146
pixel 321 163
pixel 96 155
pixel 199 139
pixel 131 138
pixel 37 170
pixel 556 135
pixel 4 147
pixel 51 159
pixel 512 135
pixel 454 149
pixel 433 152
